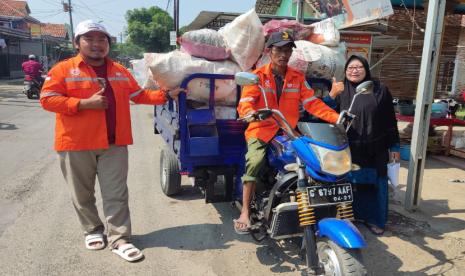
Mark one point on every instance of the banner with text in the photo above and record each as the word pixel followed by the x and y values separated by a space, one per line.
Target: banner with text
pixel 358 44
pixel 352 12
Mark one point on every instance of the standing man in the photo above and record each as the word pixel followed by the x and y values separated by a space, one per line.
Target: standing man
pixel 90 95
pixel 33 69
pixel 285 89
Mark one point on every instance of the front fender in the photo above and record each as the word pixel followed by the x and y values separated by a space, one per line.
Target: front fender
pixel 342 232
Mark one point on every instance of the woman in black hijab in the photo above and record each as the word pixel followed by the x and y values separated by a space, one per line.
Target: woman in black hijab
pixel 373 139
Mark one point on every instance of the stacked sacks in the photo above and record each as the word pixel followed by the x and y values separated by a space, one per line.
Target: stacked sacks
pixel 313 56
pixel 170 69
pixel 235 48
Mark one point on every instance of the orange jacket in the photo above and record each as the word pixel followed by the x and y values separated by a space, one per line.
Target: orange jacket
pixel 72 80
pixel 295 91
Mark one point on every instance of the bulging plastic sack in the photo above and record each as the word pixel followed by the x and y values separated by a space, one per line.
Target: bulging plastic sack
pixel 204 43
pixel 142 74
pixel 139 70
pixel 170 69
pixel 244 37
pixel 318 61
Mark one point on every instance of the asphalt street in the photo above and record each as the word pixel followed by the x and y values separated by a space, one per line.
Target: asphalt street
pixel 40 234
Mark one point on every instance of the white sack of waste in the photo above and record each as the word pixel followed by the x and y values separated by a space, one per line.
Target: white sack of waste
pixel 142 74
pixel 170 69
pixel 244 37
pixel 318 61
pixel 204 43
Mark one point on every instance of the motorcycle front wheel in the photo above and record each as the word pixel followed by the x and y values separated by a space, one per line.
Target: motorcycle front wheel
pixel 340 261
pixel 30 94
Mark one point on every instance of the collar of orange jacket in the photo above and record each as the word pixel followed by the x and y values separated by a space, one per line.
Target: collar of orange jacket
pixel 80 59
pixel 268 70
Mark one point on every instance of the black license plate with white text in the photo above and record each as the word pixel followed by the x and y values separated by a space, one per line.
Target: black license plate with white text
pixel 330 194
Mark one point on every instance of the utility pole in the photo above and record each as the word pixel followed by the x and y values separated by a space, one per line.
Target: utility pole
pixel 121 37
pixel 426 88
pixel 176 16
pixel 300 11
pixel 68 8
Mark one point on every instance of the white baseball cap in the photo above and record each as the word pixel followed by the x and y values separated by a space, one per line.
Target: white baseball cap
pixel 89 26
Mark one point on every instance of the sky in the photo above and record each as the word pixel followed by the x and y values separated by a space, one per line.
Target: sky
pixel 111 12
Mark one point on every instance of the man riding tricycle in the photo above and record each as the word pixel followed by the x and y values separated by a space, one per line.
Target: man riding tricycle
pixel 294 174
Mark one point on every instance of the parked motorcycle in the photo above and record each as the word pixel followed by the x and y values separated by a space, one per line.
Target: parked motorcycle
pixel 305 191
pixel 32 87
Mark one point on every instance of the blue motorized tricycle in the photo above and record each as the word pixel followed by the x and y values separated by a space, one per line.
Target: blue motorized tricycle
pixel 303 192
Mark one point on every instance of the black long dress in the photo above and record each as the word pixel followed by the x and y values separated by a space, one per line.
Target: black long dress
pixel 371 136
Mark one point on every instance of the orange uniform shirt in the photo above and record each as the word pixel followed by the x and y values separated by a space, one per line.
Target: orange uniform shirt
pixel 295 91
pixel 72 80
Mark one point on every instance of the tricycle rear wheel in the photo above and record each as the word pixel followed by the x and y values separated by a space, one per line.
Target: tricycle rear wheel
pixel 170 179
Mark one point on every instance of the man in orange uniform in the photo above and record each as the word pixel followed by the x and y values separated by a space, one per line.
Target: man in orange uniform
pixel 90 95
pixel 285 89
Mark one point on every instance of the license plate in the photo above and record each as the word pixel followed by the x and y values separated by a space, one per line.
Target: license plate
pixel 329 194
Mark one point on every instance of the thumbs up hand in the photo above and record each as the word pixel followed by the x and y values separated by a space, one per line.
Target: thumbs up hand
pixel 336 89
pixel 96 101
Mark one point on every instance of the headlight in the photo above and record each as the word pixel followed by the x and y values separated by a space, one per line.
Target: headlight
pixel 334 162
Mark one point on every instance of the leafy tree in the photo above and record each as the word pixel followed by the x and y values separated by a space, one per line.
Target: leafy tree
pixel 149 28
pixel 126 50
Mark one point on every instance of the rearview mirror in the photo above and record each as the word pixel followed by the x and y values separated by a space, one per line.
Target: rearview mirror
pixel 245 78
pixel 365 88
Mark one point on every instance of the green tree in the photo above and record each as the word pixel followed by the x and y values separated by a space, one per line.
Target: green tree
pixel 126 50
pixel 149 28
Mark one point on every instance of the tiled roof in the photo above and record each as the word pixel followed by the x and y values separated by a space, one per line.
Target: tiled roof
pixel 11 8
pixel 55 30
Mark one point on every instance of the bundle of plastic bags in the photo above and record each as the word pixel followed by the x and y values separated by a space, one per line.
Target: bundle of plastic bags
pixel 204 43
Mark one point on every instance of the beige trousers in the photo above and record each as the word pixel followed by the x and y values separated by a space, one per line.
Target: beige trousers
pixel 80 169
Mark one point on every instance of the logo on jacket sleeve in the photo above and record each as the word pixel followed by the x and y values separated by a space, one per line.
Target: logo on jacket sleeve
pixel 75 71
pixel 267 83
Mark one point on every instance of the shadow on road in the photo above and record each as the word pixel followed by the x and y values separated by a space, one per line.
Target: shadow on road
pixel 420 234
pixel 7 126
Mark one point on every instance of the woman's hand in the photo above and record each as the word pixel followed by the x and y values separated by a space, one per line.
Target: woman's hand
pixel 395 156
pixel 336 89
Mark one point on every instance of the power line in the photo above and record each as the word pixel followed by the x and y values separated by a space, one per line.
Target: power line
pixel 87 7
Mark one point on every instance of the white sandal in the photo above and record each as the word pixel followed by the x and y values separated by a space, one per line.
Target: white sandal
pixel 95 242
pixel 128 252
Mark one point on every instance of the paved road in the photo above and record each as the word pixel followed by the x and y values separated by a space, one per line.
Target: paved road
pixel 39 232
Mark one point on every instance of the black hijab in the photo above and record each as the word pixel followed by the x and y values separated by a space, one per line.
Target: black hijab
pixel 375 128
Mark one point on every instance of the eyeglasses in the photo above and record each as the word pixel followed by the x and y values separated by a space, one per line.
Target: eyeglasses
pixel 353 68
